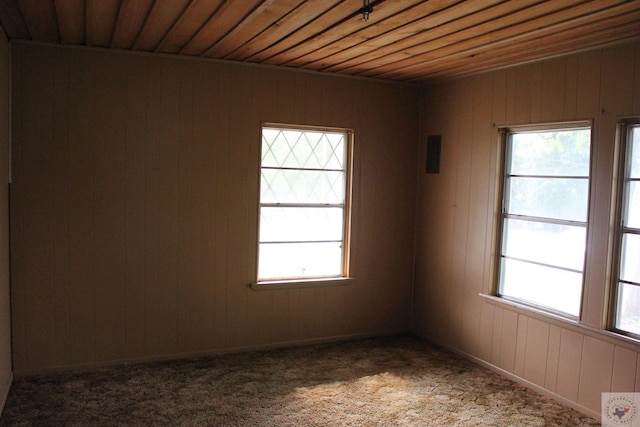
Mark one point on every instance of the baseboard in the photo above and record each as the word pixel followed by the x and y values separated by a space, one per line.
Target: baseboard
pixel 205 353
pixel 526 383
pixel 4 392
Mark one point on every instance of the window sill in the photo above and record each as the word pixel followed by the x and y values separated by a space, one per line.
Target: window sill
pixel 564 322
pixel 273 285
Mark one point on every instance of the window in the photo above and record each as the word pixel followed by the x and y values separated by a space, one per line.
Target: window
pixel 544 216
pixel 304 203
pixel 627 301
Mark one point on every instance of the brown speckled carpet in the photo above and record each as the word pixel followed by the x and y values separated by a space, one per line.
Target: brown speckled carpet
pixel 397 381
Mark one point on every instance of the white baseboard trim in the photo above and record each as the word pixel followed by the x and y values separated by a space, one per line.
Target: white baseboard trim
pixel 526 383
pixel 4 392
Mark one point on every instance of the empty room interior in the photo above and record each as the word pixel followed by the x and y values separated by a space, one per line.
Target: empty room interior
pixel 193 178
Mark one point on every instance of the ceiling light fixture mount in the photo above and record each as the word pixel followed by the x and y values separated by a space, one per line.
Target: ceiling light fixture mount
pixel 366 10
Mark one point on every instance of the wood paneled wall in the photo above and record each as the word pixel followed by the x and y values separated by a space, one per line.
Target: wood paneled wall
pixel 134 206
pixel 456 222
pixel 5 311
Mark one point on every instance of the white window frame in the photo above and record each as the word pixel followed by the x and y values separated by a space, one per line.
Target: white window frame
pixel 621 190
pixel 324 280
pixel 504 170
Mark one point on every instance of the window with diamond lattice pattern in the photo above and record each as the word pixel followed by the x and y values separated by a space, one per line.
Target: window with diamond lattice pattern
pixel 303 203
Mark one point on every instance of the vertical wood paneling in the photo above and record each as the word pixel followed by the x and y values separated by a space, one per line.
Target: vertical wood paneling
pixel 202 207
pixel 536 105
pixel 134 176
pixel 553 355
pixel 109 219
pixel 521 345
pixel 5 292
pixel 223 98
pixel 37 189
pixel 595 372
pixel 523 94
pixel 140 187
pixel 184 225
pixel 18 307
pixel 614 99
pixel 81 210
pixel 571 88
pixel 588 82
pixel 479 190
pixel 624 370
pixel 237 266
pixel 569 364
pixel 553 91
pixel 461 211
pixel 497 337
pixel 61 210
pixel 168 154
pixel 590 85
pixel 485 344
pixel 535 361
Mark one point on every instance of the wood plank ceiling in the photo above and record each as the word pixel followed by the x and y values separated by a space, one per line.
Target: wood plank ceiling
pixel 404 40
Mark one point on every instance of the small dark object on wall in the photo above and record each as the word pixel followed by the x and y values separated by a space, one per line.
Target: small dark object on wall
pixel 434 143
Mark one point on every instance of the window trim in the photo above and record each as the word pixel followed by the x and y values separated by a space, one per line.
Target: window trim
pixel 616 232
pixel 500 201
pixel 345 277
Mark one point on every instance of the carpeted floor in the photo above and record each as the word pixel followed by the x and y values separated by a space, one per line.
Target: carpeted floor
pixel 397 381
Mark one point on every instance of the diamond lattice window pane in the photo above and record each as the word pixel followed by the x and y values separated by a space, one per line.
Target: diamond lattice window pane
pixel 300 224
pixel 302 149
pixel 301 186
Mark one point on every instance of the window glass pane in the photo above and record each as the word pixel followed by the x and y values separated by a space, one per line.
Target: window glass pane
pixel 302 149
pixel 628 308
pixel 630 258
pixel 304 260
pixel 558 153
pixel 635 153
pixel 556 289
pixel 559 198
pixel 301 186
pixel 632 217
pixel 557 245
pixel 297 224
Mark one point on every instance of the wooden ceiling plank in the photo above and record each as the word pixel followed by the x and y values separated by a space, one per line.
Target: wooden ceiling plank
pixel 535 52
pixel 368 51
pixel 542 43
pixel 307 32
pixel 393 29
pixel 13 21
pixel 482 36
pixel 471 14
pixel 40 17
pixel 287 25
pixel 252 25
pixel 129 23
pixel 189 23
pixel 163 14
pixel 348 28
pixel 228 15
pixel 71 21
pixel 507 25
pixel 100 21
